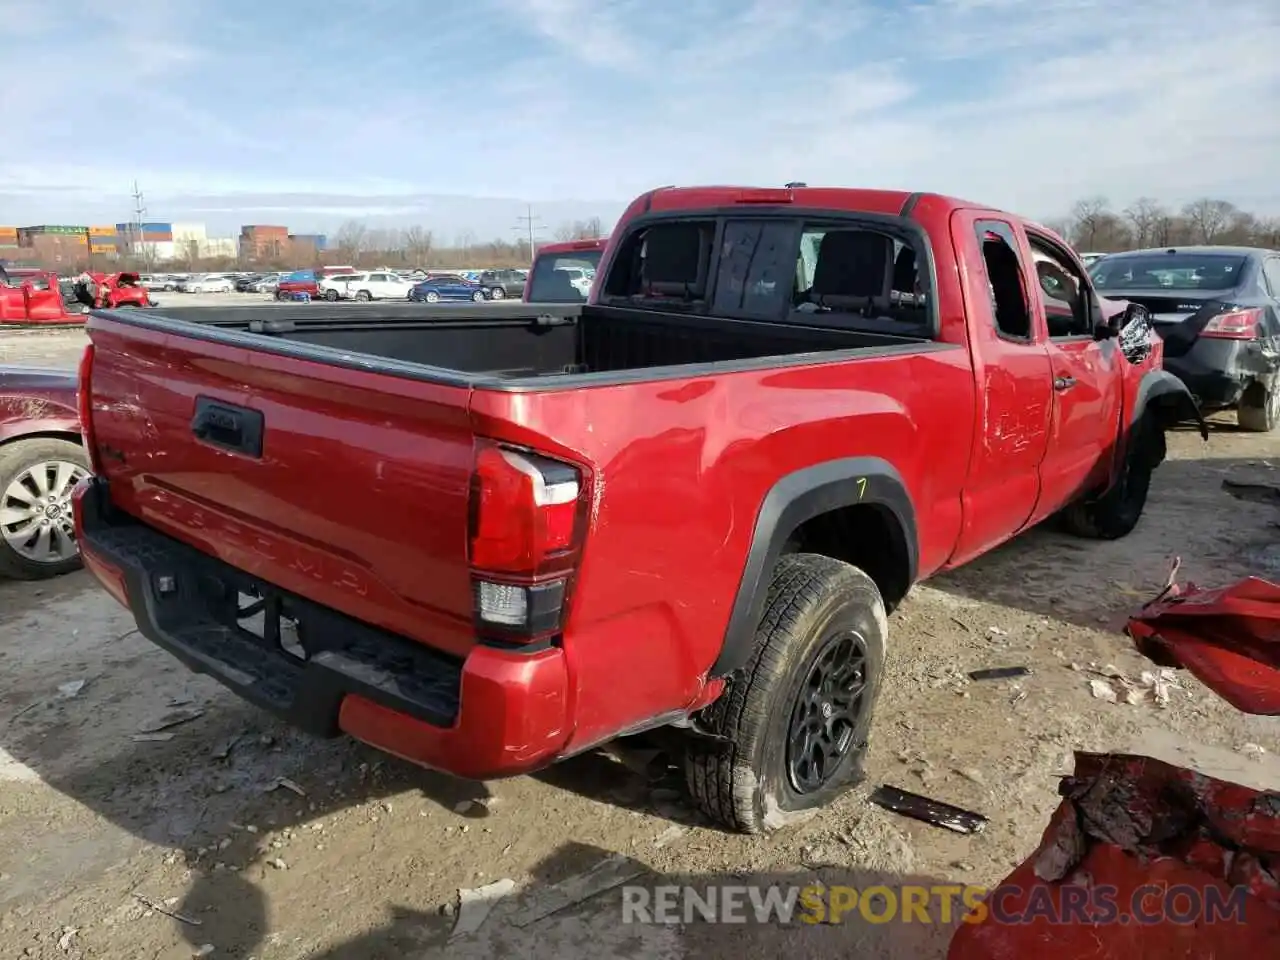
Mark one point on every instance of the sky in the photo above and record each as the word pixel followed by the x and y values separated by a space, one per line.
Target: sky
pixel 456 115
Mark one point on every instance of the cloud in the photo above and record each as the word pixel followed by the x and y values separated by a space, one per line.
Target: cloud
pixel 1025 104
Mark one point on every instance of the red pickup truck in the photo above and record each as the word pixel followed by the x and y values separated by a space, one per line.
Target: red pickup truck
pixel 492 540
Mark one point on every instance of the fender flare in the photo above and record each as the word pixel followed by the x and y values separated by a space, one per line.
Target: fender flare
pixel 794 499
pixel 1166 390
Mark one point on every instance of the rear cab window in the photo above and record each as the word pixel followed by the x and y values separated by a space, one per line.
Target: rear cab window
pixel 864 272
pixel 560 277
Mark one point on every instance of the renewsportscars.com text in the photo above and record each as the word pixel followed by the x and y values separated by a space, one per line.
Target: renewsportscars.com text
pixel 936 903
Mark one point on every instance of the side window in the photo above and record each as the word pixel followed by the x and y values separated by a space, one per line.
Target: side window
pixel 1271 273
pixel 665 264
pixel 1063 289
pixel 1009 304
pixel 757 266
pixel 377 278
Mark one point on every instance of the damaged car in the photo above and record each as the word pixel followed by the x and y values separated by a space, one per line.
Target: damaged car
pixel 1217 309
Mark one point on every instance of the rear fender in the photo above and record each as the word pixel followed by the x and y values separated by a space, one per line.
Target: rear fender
pixel 794 499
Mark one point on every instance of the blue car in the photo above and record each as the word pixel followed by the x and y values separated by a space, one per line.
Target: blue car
pixel 447 287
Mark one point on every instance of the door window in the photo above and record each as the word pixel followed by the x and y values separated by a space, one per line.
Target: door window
pixel 1063 289
pixel 1009 304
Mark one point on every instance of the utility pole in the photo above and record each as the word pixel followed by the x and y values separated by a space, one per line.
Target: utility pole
pixel 526 225
pixel 139 213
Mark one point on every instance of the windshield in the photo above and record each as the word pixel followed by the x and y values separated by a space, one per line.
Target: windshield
pixel 563 277
pixel 1170 271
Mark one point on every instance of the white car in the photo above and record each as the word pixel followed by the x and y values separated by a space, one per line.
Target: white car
pixel 207 283
pixel 335 287
pixel 378 285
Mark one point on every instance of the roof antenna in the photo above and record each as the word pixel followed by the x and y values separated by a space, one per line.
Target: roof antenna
pixel 795 185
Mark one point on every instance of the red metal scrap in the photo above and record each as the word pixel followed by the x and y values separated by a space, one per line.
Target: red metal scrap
pixel 1229 638
pixel 1141 861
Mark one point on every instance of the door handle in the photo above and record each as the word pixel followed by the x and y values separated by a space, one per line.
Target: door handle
pixel 1064 383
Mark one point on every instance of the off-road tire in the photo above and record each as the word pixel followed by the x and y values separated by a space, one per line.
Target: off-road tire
pixel 1259 409
pixel 1116 512
pixel 738 776
pixel 17 457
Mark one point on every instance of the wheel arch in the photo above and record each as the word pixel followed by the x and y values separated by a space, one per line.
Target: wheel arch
pixel 855 509
pixel 1164 395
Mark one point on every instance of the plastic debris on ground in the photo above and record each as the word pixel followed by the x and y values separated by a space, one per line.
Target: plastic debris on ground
pixel 1140 829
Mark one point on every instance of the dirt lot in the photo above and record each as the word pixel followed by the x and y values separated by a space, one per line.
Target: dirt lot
pixel 366 861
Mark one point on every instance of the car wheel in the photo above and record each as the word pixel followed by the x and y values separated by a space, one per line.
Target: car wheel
pixel 37 534
pixel 478 296
pixel 1259 409
pixel 497 293
pixel 1114 514
pixel 331 295
pixel 364 296
pixel 431 296
pixel 789 733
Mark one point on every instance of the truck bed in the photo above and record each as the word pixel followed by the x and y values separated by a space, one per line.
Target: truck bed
pixel 508 343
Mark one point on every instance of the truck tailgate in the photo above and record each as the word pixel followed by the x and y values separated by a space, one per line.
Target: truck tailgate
pixel 354 498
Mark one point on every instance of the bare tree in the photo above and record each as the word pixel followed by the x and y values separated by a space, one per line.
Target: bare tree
pixel 1144 216
pixel 351 240
pixel 1208 218
pixel 418 244
pixel 1087 219
pixel 589 229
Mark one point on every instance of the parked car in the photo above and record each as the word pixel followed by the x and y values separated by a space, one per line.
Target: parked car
pixel 41 461
pixel 1218 311
pixel 378 285
pixel 243 284
pixel 335 287
pixel 159 281
pixel 559 555
pixel 500 284
pixel 447 287
pixel 563 272
pixel 267 284
pixel 207 283
pixel 300 281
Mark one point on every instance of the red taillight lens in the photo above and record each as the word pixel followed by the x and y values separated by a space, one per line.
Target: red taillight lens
pixel 84 407
pixel 528 516
pixel 1234 325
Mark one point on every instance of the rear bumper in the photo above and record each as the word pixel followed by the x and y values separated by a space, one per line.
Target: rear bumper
pixel 496 713
pixel 1218 372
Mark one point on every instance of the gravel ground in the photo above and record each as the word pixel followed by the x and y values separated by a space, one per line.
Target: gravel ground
pixel 357 855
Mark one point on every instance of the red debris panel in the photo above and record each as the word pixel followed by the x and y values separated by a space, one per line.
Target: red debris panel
pixel 1229 638
pixel 1141 861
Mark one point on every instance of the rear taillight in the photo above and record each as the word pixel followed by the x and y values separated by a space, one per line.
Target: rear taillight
pixel 528 517
pixel 1234 324
pixel 84 407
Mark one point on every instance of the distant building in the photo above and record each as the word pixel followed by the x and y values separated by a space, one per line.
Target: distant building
pixel 260 241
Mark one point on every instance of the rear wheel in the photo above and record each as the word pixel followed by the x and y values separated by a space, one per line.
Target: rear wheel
pixel 331 295
pixel 791 726
pixel 37 536
pixel 431 296
pixel 497 293
pixel 364 296
pixel 478 296
pixel 1259 409
pixel 1114 514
